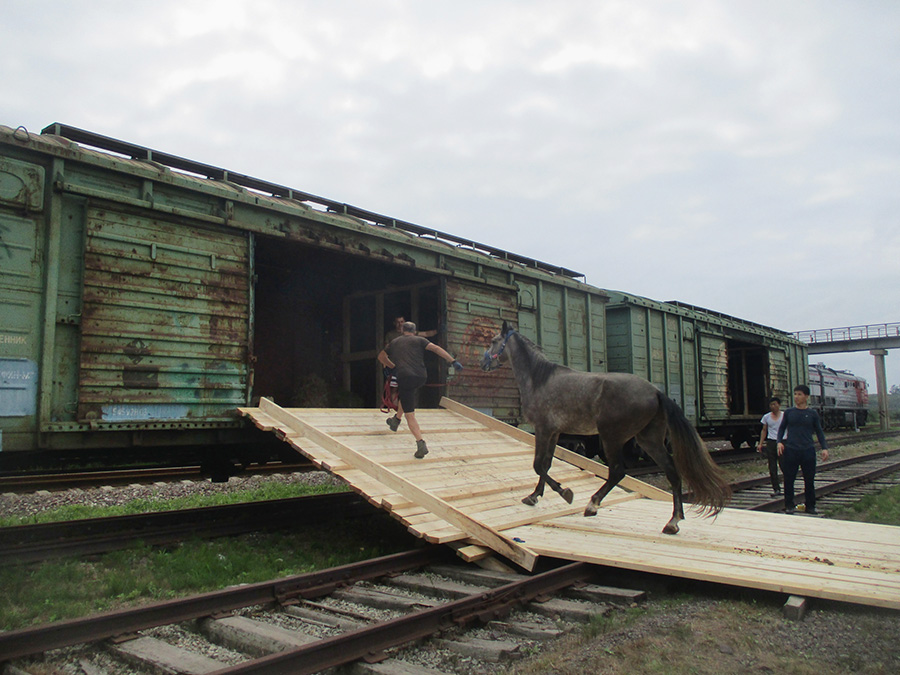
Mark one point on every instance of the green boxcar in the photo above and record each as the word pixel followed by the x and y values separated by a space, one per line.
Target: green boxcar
pixel 721 370
pixel 146 297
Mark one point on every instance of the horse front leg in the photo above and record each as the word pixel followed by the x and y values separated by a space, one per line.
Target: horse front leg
pixel 544 446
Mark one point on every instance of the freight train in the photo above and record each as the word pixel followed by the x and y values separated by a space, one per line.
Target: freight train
pixel 145 297
pixel 840 397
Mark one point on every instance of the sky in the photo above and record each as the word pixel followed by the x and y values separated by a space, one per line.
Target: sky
pixel 738 155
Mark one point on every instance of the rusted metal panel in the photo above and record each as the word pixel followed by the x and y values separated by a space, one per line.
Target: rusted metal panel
pixel 779 375
pixel 21 184
pixel 165 324
pixel 713 352
pixel 474 315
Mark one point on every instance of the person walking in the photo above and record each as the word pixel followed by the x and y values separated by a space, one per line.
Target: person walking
pixel 406 355
pixel 797 449
pixel 768 442
pixel 389 399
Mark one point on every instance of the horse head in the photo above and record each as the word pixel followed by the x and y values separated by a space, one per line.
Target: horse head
pixel 496 354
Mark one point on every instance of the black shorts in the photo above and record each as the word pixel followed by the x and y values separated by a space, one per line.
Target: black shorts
pixel 407 389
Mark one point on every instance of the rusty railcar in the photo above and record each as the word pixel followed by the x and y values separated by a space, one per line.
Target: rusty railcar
pixel 720 369
pixel 146 296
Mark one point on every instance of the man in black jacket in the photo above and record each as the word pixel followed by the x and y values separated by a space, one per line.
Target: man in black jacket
pixel 797 449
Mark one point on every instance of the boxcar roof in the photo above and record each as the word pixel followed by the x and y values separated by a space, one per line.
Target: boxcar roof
pixel 692 311
pixel 71 139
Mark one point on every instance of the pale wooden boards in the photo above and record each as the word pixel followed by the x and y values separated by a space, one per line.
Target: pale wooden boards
pixel 468 489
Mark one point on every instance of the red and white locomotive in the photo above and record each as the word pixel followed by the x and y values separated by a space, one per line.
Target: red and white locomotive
pixel 841 397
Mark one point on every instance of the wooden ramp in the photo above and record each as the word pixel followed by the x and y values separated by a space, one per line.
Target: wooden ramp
pixel 467 491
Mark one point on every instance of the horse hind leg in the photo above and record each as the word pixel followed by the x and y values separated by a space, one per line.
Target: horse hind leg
pixel 656 449
pixel 613 451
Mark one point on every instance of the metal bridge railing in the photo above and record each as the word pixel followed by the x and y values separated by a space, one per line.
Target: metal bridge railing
pixel 878 330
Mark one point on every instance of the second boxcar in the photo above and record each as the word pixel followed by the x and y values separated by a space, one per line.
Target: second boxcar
pixel 720 369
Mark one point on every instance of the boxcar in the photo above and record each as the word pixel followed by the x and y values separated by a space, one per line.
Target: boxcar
pixel 720 369
pixel 144 297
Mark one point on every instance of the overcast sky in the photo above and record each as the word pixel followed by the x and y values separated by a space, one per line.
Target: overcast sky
pixel 742 156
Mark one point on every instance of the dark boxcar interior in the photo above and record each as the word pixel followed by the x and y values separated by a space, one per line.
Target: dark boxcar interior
pixel 748 368
pixel 320 321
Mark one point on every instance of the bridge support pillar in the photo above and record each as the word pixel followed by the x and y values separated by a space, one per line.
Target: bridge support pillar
pixel 881 385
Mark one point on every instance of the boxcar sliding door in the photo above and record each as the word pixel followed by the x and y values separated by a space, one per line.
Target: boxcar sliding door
pixel 165 330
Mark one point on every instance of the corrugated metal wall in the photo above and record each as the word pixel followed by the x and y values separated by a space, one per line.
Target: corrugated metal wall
pixel 656 346
pixel 474 315
pixel 165 325
pixel 568 324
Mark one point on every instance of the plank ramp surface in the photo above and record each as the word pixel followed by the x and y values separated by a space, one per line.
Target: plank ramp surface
pixel 468 489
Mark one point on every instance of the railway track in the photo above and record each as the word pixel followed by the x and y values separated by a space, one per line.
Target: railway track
pixel 377 611
pixel 30 543
pixel 56 481
pixel 840 482
pixel 34 481
pixel 837 483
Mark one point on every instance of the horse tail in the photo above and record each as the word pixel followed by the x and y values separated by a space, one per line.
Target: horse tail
pixel 707 483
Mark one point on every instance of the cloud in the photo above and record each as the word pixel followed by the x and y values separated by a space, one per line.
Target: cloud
pixel 736 155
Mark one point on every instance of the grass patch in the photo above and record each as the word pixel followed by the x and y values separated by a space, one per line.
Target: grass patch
pixel 883 508
pixel 263 492
pixel 63 589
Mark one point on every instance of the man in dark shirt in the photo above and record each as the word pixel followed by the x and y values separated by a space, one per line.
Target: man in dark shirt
pixel 406 354
pixel 797 449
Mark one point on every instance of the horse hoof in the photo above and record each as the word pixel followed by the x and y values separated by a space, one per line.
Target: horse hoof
pixel 670 528
pixel 591 510
pixel 567 495
pixel 530 500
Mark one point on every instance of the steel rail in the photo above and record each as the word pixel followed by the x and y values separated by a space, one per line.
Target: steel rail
pixel 29 543
pixel 372 640
pixel 39 639
pixel 825 466
pixel 831 488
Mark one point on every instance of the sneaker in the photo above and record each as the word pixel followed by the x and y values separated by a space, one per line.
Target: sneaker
pixel 789 509
pixel 421 449
pixel 393 423
pixel 812 512
pixel 776 493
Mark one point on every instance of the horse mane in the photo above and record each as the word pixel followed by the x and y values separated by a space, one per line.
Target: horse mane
pixel 535 363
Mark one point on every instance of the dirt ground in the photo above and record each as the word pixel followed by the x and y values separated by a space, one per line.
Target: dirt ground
pixel 715 630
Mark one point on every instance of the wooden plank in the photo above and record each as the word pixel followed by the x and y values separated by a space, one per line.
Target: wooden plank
pixel 480 475
pixel 503 545
pixel 765 572
pixel 574 458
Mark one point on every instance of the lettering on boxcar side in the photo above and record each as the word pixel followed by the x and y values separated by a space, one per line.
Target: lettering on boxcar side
pixel 132 413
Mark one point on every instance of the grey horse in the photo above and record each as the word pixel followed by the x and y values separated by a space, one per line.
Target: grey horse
pixel 617 406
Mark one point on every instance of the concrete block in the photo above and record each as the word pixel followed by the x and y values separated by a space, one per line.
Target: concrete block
pixel 253 637
pixel 156 655
pixel 439 588
pixel 390 667
pixel 492 651
pixel 567 610
pixel 795 608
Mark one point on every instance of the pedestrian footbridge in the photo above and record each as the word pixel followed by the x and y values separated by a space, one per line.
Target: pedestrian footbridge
pixel 466 493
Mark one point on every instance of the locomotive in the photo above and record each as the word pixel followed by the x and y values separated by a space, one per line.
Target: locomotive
pixel 840 397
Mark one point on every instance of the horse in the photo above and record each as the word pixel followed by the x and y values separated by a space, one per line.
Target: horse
pixel 621 408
